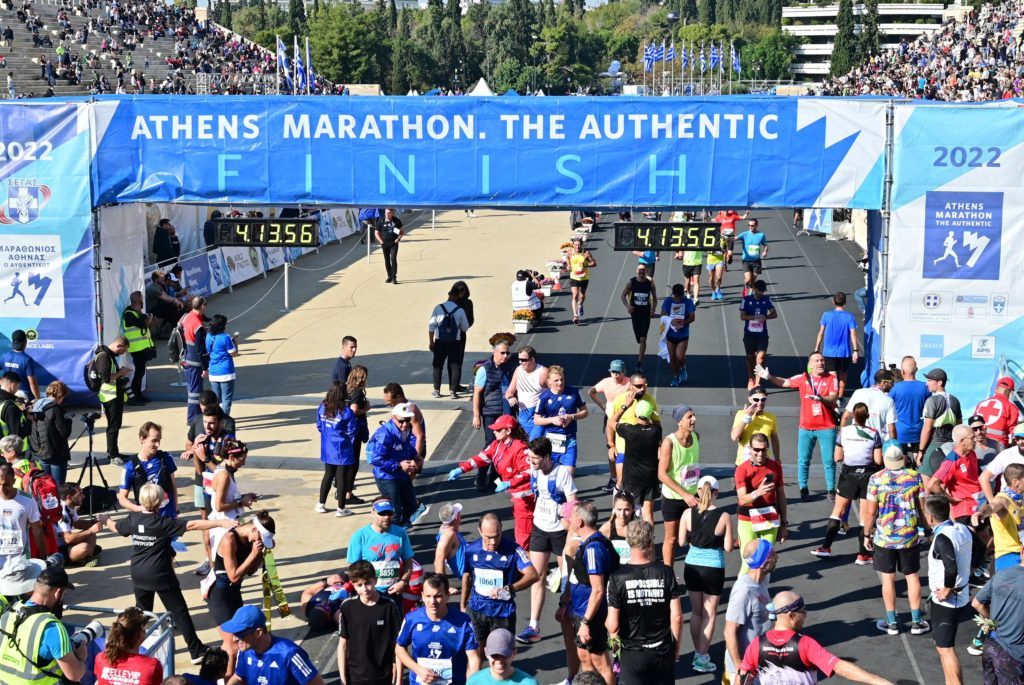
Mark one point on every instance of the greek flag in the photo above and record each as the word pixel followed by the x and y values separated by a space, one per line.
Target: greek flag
pixel 703 63
pixel 283 63
pixel 721 62
pixel 735 57
pixel 685 57
pixel 659 52
pixel 649 57
pixel 670 56
pixel 310 76
pixel 715 58
pixel 300 68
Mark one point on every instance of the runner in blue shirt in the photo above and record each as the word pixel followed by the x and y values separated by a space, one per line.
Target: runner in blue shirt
pixel 681 312
pixel 386 546
pixel 496 569
pixel 558 409
pixel 755 310
pixel 909 397
pixel 267 660
pixel 16 360
pixel 755 248
pixel 437 640
pixel 837 340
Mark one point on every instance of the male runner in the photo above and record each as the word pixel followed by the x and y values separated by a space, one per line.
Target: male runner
pixel 640 299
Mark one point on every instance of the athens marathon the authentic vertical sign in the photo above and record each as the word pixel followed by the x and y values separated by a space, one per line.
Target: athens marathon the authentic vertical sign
pixel 516 152
pixel 46 284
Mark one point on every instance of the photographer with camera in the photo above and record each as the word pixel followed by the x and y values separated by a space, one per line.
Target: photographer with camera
pixel 35 647
pixel 113 381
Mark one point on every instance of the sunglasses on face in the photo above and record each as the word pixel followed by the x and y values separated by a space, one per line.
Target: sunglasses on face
pixel 977 428
pixel 758 449
pixel 403 420
pixel 641 386
pixel 758 400
pixel 523 360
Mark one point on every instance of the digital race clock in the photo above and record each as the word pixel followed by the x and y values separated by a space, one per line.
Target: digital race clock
pixel 667 235
pixel 268 232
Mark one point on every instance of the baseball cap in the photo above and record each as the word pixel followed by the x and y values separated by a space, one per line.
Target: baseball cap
pixel 383 505
pixel 500 643
pixel 893 457
pixel 449 512
pixel 18 337
pixel 55 577
pixel 246 619
pixel 265 535
pixel 680 411
pixel 19 575
pixel 761 555
pixel 503 422
pixel 1005 380
pixel 618 366
pixel 1018 432
pixel 937 375
pixel 977 418
pixel 644 409
pixel 709 480
pixel 403 411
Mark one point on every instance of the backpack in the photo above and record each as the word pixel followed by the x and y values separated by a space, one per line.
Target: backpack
pixel 176 345
pixel 140 477
pixel 582 578
pixel 44 490
pixel 447 329
pixel 90 374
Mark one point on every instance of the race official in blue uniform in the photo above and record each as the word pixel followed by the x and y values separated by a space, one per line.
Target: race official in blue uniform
pixel 496 569
pixel 437 644
pixel 267 660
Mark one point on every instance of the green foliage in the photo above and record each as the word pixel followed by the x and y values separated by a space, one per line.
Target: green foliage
pixel 844 50
pixel 297 17
pixel 769 56
pixel 870 36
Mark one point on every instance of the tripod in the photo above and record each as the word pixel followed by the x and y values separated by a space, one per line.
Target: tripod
pixel 91 463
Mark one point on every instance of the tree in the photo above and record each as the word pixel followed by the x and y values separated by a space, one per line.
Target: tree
pixel 225 14
pixel 688 11
pixel 261 15
pixel 297 17
pixel 844 50
pixel 706 12
pixel 870 36
pixel 392 17
pixel 770 55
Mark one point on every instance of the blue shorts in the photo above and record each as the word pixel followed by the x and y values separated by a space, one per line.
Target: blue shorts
pixel 620 457
pixel 568 457
pixel 676 339
pixel 1007 561
pixel 526 419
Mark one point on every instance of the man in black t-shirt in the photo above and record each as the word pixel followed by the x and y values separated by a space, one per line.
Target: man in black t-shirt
pixel 389 233
pixel 644 612
pixel 205 434
pixel 640 298
pixel 640 458
pixel 368 631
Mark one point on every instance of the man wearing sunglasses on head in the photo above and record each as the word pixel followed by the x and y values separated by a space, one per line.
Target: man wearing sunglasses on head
pixel 754 419
pixel 784 655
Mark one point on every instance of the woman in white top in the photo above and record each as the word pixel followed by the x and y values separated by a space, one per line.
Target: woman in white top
pixel 226 500
pixel 528 382
pixel 859 450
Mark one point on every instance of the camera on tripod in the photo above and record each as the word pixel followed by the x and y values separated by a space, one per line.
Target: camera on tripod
pixel 90 419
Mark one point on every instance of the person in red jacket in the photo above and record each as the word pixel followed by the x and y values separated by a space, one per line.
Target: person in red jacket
pixel 508 455
pixel 1001 415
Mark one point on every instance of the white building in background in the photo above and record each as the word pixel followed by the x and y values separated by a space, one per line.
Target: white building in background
pixel 817 26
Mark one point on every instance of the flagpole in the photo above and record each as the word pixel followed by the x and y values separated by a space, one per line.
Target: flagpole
pixel 277 48
pixel 295 64
pixel 308 70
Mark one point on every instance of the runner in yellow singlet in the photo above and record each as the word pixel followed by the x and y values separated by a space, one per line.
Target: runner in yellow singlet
pixel 716 269
pixel 580 263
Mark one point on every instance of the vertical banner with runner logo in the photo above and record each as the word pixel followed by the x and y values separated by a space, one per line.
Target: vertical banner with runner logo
pixel 46 277
pixel 955 266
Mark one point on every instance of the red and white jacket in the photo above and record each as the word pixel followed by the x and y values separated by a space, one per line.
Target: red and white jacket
pixel 510 462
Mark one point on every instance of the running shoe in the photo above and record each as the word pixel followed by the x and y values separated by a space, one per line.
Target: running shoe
pixel 674 383
pixel 886 627
pixel 320 509
pixel 454 395
pixel 197 657
pixel 844 528
pixel 683 376
pixel 863 560
pixel 436 394
pixel 696 301
pixel 529 636
pixel 721 295
pixel 976 647
pixel 822 552
pixel 702 664
pixel 979 577
pixel 581 311
pixel 204 568
pixel 805 494
pixel 418 515
pixel 921 627
pixel 342 513
pixel 609 486
pixel 831 495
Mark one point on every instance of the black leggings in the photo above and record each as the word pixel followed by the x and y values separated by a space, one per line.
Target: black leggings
pixel 174 602
pixel 446 351
pixel 343 477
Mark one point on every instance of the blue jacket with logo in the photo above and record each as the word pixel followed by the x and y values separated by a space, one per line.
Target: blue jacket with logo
pixel 387 449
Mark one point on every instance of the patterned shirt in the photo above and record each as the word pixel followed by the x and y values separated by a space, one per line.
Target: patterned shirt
pixel 896 493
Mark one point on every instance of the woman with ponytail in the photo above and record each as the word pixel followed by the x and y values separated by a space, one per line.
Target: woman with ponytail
pixel 709 530
pixel 120 661
pixel 623 512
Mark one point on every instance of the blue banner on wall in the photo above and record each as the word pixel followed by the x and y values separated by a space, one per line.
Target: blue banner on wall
pixel 465 151
pixel 46 283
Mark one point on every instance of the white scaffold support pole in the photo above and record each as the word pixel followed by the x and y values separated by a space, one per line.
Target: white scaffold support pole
pixel 287 270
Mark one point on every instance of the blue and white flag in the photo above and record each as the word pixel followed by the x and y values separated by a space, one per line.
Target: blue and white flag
pixel 300 68
pixel 284 65
pixel 721 61
pixel 659 52
pixel 670 56
pixel 685 57
pixel 715 57
pixel 649 57
pixel 703 63
pixel 734 56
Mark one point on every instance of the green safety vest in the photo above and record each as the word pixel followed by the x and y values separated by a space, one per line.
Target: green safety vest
pixel 19 650
pixel 139 339
pixel 7 430
pixel 108 391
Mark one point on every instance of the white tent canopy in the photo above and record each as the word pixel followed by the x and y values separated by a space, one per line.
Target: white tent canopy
pixel 481 89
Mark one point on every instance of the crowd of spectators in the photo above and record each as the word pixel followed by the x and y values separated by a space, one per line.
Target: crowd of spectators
pixel 975 58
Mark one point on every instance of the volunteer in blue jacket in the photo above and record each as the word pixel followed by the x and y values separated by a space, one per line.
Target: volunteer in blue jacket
pixel 558 409
pixel 267 660
pixel 496 569
pixel 394 459
pixel 222 350
pixel 437 644
pixel 338 426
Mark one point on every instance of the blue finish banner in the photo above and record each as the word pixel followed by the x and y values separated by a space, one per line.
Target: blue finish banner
pixel 46 282
pixel 466 151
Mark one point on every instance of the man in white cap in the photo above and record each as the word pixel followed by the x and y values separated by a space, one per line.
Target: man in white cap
pixel 500 649
pixel 18 577
pixel 394 459
pixel 893 508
